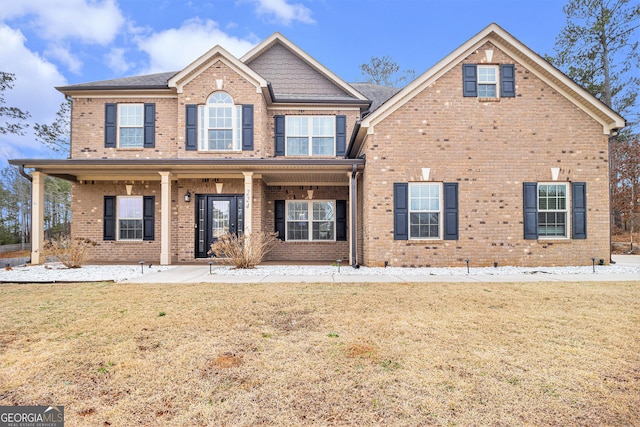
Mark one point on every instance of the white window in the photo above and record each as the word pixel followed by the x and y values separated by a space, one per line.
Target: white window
pixel 129 214
pixel 553 218
pixel 487 81
pixel 311 220
pixel 425 210
pixel 220 124
pixel 310 135
pixel 130 125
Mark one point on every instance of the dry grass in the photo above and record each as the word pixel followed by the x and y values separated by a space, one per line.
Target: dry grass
pixel 324 354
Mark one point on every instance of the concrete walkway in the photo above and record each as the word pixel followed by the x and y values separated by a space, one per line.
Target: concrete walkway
pixel 200 274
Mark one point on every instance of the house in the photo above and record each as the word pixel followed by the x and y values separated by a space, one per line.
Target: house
pixel 492 155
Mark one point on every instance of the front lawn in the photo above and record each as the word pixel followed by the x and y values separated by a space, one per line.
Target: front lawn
pixel 324 354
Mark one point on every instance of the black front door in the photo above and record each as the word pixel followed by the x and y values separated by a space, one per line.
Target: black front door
pixel 215 217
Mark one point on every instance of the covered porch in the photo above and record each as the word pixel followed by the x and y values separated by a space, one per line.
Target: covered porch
pixel 178 190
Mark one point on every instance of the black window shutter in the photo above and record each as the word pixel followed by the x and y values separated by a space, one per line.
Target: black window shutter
pixel 247 127
pixel 110 125
pixel 507 81
pixel 450 211
pixel 401 211
pixel 279 218
pixel 579 209
pixel 341 135
pixel 109 219
pixel 469 80
pixel 149 125
pixel 279 135
pixel 148 215
pixel 341 220
pixel 530 209
pixel 191 142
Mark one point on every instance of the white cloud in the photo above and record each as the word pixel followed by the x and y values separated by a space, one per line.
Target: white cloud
pixel 33 89
pixel 283 12
pixel 173 49
pixel 86 21
pixel 117 61
pixel 63 54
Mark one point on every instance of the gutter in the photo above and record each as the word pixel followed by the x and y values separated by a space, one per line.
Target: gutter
pixel 23 173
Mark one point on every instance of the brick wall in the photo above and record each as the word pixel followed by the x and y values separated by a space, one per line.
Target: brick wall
pixel 87 204
pixel 303 251
pixel 489 148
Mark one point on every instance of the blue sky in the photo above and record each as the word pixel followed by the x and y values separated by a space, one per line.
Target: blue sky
pixel 48 43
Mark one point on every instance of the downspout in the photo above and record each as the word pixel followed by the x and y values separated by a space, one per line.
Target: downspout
pixel 23 173
pixel 354 215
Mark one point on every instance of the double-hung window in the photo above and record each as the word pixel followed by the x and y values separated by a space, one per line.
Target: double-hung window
pixel 130 125
pixel 310 135
pixel 553 210
pixel 425 211
pixel 220 124
pixel 130 218
pixel 311 220
pixel 487 81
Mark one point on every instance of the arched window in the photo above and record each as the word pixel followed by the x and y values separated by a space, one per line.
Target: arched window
pixel 220 123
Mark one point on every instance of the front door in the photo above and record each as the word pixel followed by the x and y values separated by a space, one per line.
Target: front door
pixel 215 217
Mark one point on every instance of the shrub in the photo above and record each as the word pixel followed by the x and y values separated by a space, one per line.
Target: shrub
pixel 69 251
pixel 246 251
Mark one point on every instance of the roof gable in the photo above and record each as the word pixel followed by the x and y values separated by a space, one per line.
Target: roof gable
pixel 217 53
pixel 294 75
pixel 537 65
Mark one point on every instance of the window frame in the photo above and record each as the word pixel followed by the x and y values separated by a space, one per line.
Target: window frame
pixel 203 118
pixel 566 211
pixel 440 209
pixel 310 221
pixel 496 83
pixel 310 135
pixel 119 218
pixel 119 125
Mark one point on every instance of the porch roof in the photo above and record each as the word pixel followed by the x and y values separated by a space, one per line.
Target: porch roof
pixel 275 171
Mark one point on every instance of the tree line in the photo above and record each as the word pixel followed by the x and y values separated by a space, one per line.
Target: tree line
pixel 15 189
pixel 597 48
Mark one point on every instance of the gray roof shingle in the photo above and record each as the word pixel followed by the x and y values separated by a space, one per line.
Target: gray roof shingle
pixel 148 81
pixel 377 94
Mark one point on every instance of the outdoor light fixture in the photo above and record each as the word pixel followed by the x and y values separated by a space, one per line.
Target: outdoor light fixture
pixel 187 197
pixel 210 264
pixel 339 262
pixel 141 266
pixel 593 263
pixel 467 261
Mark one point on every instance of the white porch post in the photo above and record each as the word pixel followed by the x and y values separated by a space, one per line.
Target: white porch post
pixel 248 202
pixel 165 221
pixel 37 217
pixel 349 217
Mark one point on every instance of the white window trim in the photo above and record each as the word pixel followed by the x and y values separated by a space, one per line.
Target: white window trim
pixel 236 127
pixel 120 126
pixel 497 82
pixel 309 220
pixel 440 211
pixel 567 211
pixel 118 218
pixel 309 137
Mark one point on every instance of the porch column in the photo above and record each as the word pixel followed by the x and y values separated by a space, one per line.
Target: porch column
pixel 165 219
pixel 37 216
pixel 248 201
pixel 353 207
